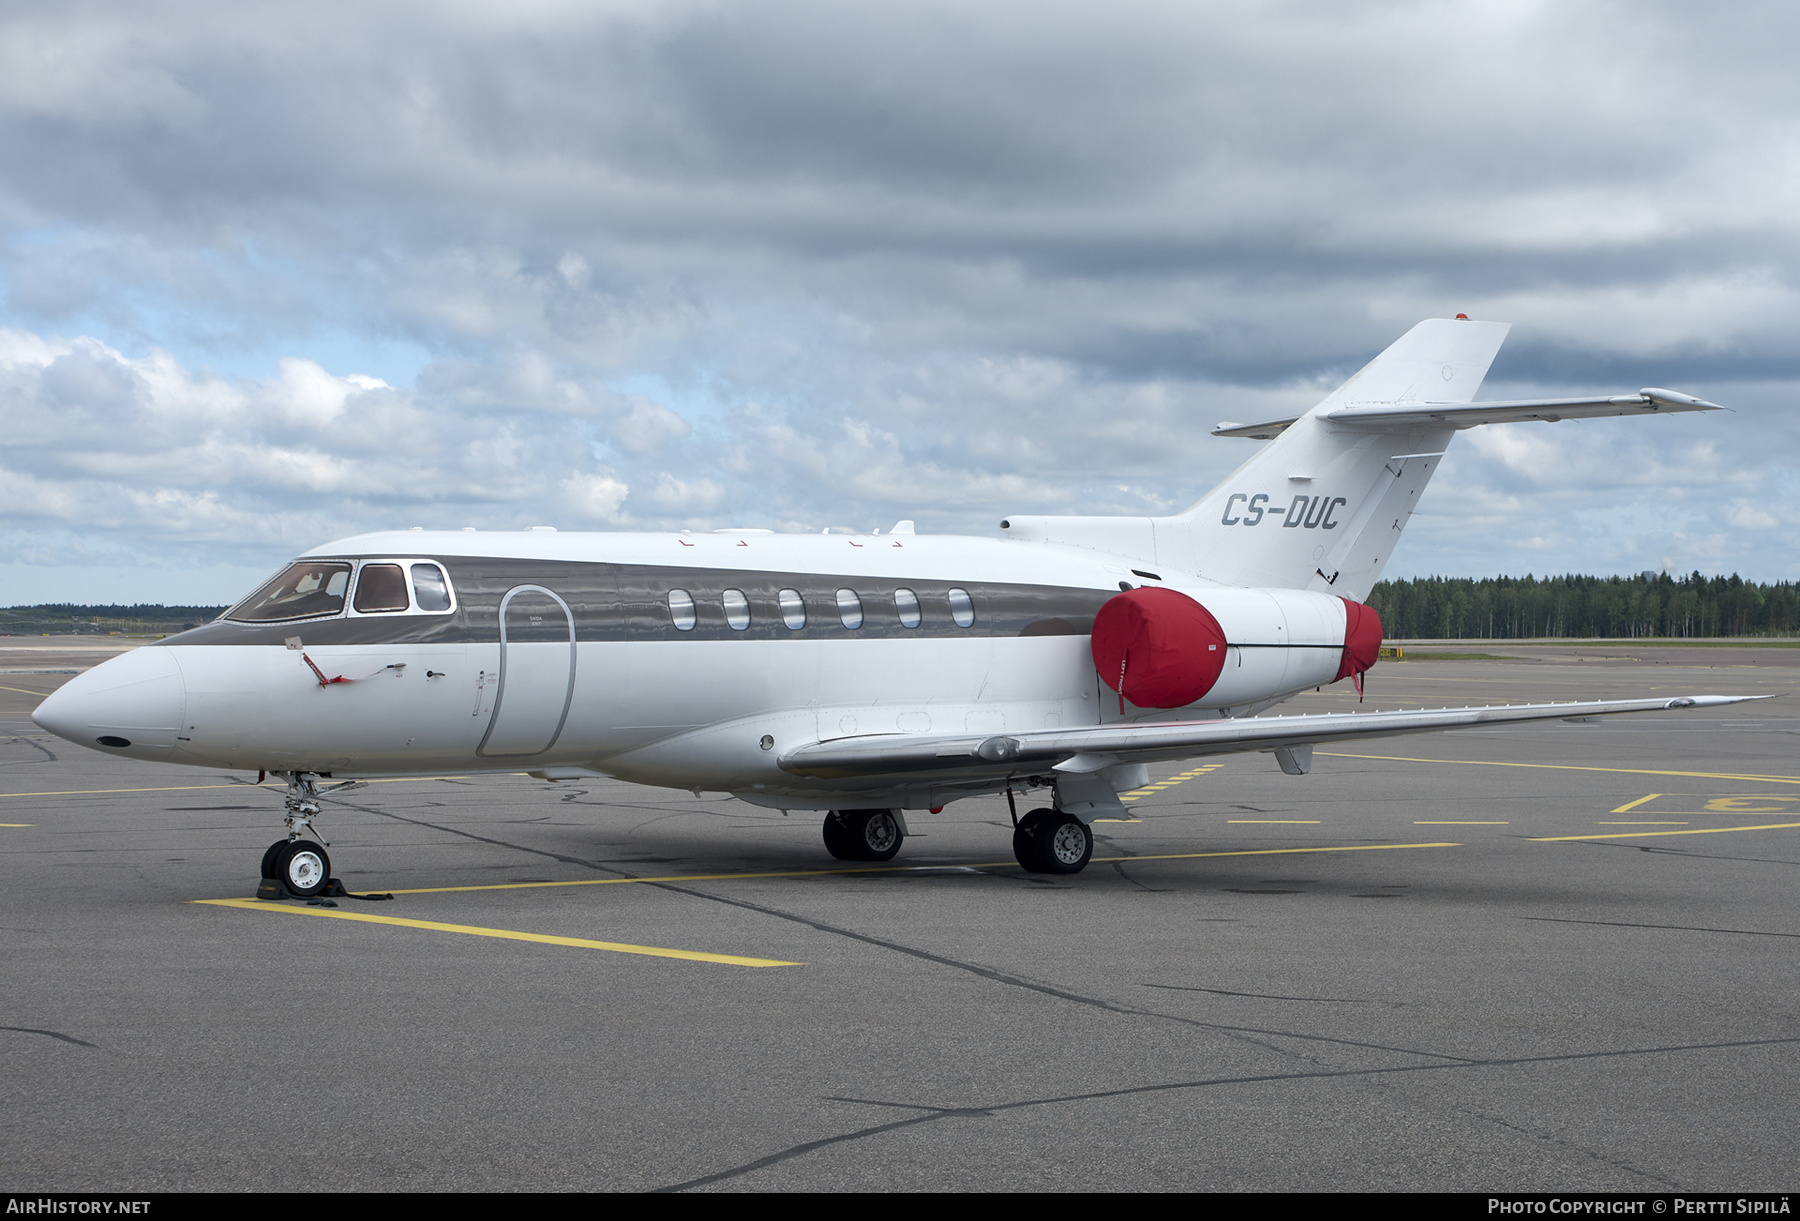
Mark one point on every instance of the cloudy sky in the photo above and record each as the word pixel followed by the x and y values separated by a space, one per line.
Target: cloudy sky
pixel 272 274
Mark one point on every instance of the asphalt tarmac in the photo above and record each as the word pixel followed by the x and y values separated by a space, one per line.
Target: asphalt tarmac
pixel 1540 958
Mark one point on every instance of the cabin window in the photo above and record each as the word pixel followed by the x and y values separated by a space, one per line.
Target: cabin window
pixel 681 609
pixel 430 591
pixel 849 608
pixel 906 602
pixel 962 609
pixel 737 609
pixel 303 591
pixel 793 608
pixel 380 587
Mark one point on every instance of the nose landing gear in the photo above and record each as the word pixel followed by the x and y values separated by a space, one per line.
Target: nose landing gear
pixel 297 867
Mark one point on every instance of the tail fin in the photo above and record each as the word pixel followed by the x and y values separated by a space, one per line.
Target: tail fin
pixel 1323 504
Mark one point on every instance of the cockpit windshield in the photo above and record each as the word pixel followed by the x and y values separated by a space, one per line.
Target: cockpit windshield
pixel 304 591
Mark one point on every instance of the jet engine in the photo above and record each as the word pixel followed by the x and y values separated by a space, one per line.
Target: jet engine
pixel 1161 648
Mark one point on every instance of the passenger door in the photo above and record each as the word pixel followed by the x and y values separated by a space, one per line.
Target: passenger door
pixel 537 673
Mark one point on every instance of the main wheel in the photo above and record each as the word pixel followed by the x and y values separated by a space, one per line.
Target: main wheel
pixel 1065 845
pixel 837 839
pixel 303 867
pixel 873 835
pixel 1028 840
pixel 271 857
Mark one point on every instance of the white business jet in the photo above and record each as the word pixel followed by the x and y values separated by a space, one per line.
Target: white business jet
pixel 865 676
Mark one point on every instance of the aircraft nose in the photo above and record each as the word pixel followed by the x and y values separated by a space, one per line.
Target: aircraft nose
pixel 130 705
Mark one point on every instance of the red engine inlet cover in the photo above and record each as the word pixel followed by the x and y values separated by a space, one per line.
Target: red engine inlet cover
pixel 1362 639
pixel 1159 648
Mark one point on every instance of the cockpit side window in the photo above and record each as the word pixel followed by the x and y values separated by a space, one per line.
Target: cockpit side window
pixel 430 591
pixel 380 587
pixel 306 590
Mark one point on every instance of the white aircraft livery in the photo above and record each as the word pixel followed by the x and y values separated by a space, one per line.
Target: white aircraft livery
pixel 865 676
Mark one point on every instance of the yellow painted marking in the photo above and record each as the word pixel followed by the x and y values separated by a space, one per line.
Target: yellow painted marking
pixel 23 691
pixel 1632 805
pixel 1444 822
pixel 617 947
pixel 17 824
pixel 1570 767
pixel 1774 826
pixel 1096 820
pixel 1150 790
pixel 1307 822
pixel 1735 805
pixel 1188 856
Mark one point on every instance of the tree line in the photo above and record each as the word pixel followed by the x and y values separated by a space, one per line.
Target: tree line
pixel 1648 605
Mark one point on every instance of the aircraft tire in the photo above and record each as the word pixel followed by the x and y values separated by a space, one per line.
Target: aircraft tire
pixel 837 839
pixel 303 868
pixel 874 835
pixel 1065 844
pixel 269 868
pixel 1028 840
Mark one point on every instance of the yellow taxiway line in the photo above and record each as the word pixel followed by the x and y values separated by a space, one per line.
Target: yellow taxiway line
pixel 616 947
pixel 1571 767
pixel 1773 826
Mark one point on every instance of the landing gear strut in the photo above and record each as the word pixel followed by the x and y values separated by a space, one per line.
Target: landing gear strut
pixel 863 835
pixel 1050 841
pixel 297 867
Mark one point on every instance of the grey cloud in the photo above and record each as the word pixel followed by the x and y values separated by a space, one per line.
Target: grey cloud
pixel 920 260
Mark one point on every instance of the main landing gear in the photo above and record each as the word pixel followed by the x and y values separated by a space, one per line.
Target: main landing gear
pixel 297 867
pixel 1050 841
pixel 864 835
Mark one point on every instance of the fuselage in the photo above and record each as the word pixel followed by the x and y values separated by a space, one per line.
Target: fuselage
pixel 681 660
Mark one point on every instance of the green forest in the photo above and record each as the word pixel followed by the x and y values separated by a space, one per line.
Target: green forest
pixel 1645 606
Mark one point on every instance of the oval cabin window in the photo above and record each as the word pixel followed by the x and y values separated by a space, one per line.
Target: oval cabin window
pixel 849 608
pixel 681 609
pixel 737 609
pixel 962 608
pixel 906 603
pixel 793 608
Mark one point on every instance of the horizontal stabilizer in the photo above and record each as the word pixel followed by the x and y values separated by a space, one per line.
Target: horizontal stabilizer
pixel 1037 751
pixel 1470 415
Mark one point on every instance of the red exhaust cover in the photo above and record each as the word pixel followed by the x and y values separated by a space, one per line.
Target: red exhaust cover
pixel 1161 649
pixel 1362 639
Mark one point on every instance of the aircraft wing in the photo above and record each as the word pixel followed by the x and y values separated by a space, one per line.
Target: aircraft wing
pixel 1037 752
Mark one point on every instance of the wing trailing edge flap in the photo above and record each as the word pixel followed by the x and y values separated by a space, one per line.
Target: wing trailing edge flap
pixel 1083 750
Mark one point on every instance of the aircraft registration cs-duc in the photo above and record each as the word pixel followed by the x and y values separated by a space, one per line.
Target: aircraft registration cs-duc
pixel 866 676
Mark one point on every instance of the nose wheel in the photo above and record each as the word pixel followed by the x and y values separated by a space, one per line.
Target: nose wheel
pixel 298 867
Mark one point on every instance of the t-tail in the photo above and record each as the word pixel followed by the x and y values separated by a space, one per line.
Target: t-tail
pixel 1322 506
